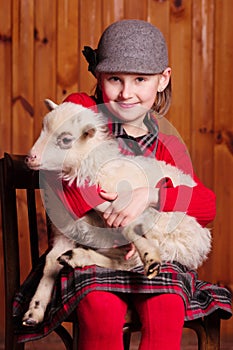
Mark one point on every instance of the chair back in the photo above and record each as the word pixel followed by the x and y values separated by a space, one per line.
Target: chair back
pixel 17 181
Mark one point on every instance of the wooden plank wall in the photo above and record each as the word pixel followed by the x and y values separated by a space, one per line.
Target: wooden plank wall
pixel 40 57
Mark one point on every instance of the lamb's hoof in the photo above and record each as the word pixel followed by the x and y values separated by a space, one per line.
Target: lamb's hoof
pixel 30 322
pixel 153 270
pixel 65 258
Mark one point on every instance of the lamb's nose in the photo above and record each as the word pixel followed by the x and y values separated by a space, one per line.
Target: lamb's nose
pixel 30 158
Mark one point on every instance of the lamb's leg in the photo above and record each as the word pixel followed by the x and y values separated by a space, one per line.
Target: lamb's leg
pixel 80 257
pixel 42 296
pixel 176 175
pixel 148 250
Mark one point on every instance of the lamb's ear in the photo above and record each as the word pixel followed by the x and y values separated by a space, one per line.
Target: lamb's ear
pixel 89 130
pixel 50 104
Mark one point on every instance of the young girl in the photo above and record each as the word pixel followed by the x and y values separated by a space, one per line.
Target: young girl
pixel 133 85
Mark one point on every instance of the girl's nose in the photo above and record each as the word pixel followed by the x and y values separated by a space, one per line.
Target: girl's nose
pixel 126 91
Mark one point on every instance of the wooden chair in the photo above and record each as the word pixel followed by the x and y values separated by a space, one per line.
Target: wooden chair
pixel 14 175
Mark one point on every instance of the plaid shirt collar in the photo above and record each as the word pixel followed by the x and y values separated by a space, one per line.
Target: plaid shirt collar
pixel 138 145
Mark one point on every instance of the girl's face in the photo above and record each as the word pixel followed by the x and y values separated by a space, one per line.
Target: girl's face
pixel 130 96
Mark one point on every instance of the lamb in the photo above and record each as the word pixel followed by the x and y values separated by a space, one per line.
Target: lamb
pixel 76 143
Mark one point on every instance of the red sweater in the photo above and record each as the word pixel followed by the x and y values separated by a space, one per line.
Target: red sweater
pixel 198 201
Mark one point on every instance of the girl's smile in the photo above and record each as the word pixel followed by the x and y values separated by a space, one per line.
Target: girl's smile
pixel 126 105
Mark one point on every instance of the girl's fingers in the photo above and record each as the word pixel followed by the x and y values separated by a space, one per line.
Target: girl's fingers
pixel 109 196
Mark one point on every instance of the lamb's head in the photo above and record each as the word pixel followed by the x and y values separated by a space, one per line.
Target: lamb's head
pixel 70 131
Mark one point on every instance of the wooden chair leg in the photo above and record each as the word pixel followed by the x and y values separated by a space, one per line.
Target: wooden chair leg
pixel 198 327
pixel 207 331
pixel 11 341
pixel 126 338
pixel 18 346
pixel 75 335
pixel 212 327
pixel 65 337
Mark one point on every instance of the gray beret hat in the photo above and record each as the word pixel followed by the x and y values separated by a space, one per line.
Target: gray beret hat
pixel 131 46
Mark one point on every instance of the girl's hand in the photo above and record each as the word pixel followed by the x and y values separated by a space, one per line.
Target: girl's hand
pixel 127 206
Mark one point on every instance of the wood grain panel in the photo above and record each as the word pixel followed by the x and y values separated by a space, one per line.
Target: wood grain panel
pixel 180 61
pixel 112 10
pixel 202 120
pixel 5 75
pixel 67 48
pixel 45 69
pixel 222 259
pixel 22 75
pixel 135 9
pixel 90 29
pixel 223 150
pixel 158 13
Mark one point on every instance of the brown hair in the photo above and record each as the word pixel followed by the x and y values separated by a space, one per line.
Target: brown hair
pixel 163 101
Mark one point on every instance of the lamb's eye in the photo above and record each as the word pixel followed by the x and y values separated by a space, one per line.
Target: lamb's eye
pixel 65 140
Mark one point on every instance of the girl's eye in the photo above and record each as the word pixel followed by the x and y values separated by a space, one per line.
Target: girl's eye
pixel 139 79
pixel 114 79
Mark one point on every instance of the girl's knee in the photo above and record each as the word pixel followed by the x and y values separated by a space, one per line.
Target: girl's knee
pixel 98 307
pixel 161 315
pixel 101 317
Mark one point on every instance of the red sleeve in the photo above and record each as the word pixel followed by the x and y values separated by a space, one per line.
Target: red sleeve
pixel 198 201
pixel 79 200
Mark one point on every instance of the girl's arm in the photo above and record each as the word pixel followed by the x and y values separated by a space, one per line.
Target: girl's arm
pixel 198 201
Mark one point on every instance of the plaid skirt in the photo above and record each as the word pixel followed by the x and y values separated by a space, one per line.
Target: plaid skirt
pixel 200 298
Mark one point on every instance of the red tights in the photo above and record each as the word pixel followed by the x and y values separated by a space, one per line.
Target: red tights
pixel 102 314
